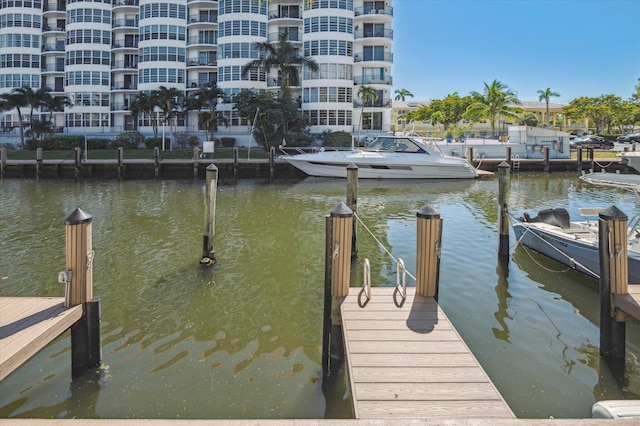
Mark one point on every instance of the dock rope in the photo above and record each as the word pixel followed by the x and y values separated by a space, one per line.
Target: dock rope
pixel 572 262
pixel 395 260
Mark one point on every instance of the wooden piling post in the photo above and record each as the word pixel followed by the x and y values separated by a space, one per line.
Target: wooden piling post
pixel 579 157
pixel 337 281
pixel 78 161
pixel 208 253
pixel 86 349
pixel 470 154
pixel 156 161
pixel 591 158
pixel 3 162
pixel 545 158
pixel 38 161
pixel 429 242
pixel 614 279
pixel 503 201
pixel 235 162
pixel 508 155
pixel 272 162
pixel 352 203
pixel 120 162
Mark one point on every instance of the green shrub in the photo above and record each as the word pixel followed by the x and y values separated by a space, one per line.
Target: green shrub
pixel 193 141
pixel 298 139
pixel 129 140
pixel 151 143
pixel 228 142
pixel 97 143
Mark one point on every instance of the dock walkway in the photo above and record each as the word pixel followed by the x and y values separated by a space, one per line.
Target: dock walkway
pixel 407 361
pixel 27 324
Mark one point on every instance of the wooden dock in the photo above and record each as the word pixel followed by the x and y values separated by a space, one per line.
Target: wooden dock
pixel 27 324
pixel 407 361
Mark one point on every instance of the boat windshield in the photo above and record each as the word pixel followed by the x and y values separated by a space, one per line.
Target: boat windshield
pixel 391 144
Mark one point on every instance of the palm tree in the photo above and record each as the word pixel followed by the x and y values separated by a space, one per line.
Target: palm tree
pixel 492 103
pixel 204 101
pixel 145 103
pixel 367 95
pixel 402 93
pixel 15 100
pixel 285 58
pixel 546 94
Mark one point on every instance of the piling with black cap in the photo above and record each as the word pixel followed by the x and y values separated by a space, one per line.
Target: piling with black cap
pixel 429 243
pixel 352 203
pixel 208 253
pixel 86 350
pixel 503 213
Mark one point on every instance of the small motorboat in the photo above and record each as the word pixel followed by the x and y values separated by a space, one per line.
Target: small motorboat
pixel 572 243
pixel 386 157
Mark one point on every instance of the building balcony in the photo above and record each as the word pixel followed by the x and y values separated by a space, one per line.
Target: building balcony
pixel 209 4
pixel 121 85
pixel 120 107
pixel 197 84
pixel 295 37
pixel 121 44
pixel 201 63
pixel 368 11
pixel 125 23
pixel 125 5
pixel 198 19
pixel 202 40
pixel 123 65
pixel 52 69
pixel 386 57
pixel 50 29
pixel 53 48
pixel 386 34
pixel 379 103
pixel 387 80
pixel 54 10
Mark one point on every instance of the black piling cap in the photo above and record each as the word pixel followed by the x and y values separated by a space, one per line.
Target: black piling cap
pixel 428 212
pixel 341 210
pixel 352 166
pixel 77 217
pixel 212 167
pixel 504 165
pixel 612 213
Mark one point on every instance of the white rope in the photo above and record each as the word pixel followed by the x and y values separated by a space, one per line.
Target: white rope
pixel 381 245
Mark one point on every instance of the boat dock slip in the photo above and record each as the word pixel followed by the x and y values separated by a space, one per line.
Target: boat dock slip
pixel 407 361
pixel 27 324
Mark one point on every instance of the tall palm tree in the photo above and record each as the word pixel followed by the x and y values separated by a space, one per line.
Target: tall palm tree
pixel 403 93
pixel 145 103
pixel 204 101
pixel 285 58
pixel 546 94
pixel 15 100
pixel 367 95
pixel 492 103
pixel 167 100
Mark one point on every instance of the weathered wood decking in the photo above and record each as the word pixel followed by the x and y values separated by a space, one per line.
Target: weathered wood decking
pixel 409 362
pixel 27 324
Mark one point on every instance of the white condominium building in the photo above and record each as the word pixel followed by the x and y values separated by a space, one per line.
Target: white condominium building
pixel 100 54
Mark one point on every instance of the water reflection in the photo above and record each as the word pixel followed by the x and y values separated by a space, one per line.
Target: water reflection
pixel 243 339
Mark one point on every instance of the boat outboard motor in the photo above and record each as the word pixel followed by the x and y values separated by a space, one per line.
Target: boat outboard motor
pixel 556 217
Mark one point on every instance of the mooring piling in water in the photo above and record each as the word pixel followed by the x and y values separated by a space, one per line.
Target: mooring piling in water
pixel 614 281
pixel 78 161
pixel 545 158
pixel 429 242
pixel 3 161
pixel 338 240
pixel 208 253
pixel 38 161
pixel 503 206
pixel 352 203
pixel 86 349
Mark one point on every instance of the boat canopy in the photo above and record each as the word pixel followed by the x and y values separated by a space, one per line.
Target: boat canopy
pixel 396 144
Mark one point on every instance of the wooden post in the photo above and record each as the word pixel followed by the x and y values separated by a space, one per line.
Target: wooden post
pixel 235 162
pixel 272 162
pixel 614 279
pixel 3 162
pixel 208 254
pixel 508 160
pixel 337 281
pixel 326 323
pixel 470 154
pixel 503 213
pixel 85 334
pixel 120 162
pixel 352 203
pixel 429 240
pixel 591 158
pixel 38 161
pixel 78 152
pixel 545 158
pixel 156 161
pixel 579 157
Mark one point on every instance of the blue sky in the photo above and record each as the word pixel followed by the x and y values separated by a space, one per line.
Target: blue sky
pixel 575 47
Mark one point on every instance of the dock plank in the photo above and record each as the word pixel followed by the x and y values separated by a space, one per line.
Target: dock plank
pixel 27 324
pixel 407 361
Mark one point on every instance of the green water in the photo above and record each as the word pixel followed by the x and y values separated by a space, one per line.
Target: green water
pixel 243 339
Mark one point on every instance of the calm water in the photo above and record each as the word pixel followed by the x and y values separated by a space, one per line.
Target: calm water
pixel 243 339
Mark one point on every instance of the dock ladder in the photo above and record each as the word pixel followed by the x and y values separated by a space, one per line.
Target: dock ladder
pixel 515 161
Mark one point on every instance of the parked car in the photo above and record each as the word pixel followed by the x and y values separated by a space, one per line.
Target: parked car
pixel 629 138
pixel 591 141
